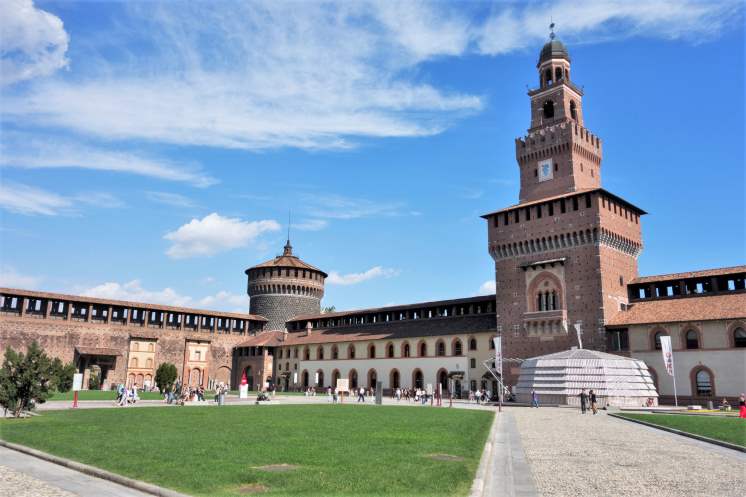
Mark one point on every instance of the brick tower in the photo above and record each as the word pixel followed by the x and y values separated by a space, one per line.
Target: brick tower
pixel 283 288
pixel 564 253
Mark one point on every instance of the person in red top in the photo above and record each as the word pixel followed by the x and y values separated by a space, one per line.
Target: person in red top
pixel 742 406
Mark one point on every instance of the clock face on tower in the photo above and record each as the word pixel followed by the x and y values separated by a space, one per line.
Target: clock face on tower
pixel 546 171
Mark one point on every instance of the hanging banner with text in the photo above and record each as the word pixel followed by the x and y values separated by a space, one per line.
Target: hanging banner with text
pixel 498 354
pixel 667 354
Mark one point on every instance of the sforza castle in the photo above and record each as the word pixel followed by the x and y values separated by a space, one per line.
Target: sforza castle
pixel 565 270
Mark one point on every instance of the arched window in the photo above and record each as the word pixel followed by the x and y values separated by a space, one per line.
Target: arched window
pixel 440 348
pixel 295 354
pixel 372 351
pixel 548 76
pixel 150 347
pixel 133 362
pixel 390 350
pixel 351 352
pixel 692 339
pixel 320 378
pixel 457 348
pixel 353 379
pixel 135 346
pixel 405 350
pixel 558 73
pixel 279 367
pixel 739 337
pixel 394 382
pixel 149 363
pixel 423 349
pixel 287 366
pixel 657 339
pixel 335 352
pixel 473 344
pixel 372 378
pixel 320 352
pixel 548 109
pixel 443 380
pixel 417 379
pixel 573 110
pixel 307 354
pixel 304 379
pixel 703 383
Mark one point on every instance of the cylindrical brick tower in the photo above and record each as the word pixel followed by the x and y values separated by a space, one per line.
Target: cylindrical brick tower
pixel 284 287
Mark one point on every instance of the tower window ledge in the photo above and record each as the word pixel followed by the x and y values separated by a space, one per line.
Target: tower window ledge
pixel 539 316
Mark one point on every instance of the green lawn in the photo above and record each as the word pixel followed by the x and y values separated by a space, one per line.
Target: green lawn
pixel 340 450
pixel 102 395
pixel 727 429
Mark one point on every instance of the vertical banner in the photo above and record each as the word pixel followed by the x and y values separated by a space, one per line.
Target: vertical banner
pixel 667 354
pixel 498 354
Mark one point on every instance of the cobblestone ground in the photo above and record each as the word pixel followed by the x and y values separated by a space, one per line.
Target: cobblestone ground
pixel 584 455
pixel 16 484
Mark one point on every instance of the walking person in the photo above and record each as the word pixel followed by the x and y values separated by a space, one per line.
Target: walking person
pixel 742 406
pixel 583 401
pixel 361 395
pixel 592 397
pixel 534 399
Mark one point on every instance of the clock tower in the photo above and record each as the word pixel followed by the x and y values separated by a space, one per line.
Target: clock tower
pixel 559 155
pixel 565 252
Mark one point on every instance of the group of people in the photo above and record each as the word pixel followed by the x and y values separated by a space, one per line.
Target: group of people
pixel 127 395
pixel 585 399
pixel 480 396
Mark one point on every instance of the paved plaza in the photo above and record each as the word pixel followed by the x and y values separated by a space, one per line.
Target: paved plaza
pixel 549 452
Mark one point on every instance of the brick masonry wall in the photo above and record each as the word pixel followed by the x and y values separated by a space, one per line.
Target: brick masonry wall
pixel 59 338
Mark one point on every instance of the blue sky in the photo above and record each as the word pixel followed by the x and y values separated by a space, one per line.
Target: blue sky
pixel 151 151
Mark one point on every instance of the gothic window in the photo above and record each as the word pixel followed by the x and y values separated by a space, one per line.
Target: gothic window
pixel 307 354
pixel 423 349
pixel 548 77
pixel 390 350
pixel 351 352
pixel 692 340
pixel 133 362
pixel 320 353
pixel 457 348
pixel 473 344
pixel 405 350
pixel 573 110
pixel 335 352
pixel 440 348
pixel 548 109
pixel 739 337
pixel 372 351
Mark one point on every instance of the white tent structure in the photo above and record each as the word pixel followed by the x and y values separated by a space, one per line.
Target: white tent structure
pixel 558 379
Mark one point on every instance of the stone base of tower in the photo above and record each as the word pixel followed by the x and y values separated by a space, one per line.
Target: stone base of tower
pixel 278 309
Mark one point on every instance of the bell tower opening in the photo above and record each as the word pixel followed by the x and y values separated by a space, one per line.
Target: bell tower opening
pixel 549 109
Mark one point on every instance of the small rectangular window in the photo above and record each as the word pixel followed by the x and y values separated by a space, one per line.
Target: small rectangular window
pixel 551 208
pixel 563 207
pixel 505 219
pixel 516 216
pixel 575 203
pixel 538 211
pixel 495 221
pixel 588 200
pixel 528 213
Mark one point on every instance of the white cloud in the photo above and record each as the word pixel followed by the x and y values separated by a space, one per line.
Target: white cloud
pixel 332 206
pixel 172 199
pixel 28 200
pixel 33 42
pixel 134 291
pixel 311 225
pixel 354 278
pixel 30 152
pixel 591 21
pixel 226 301
pixel 258 75
pixel 311 75
pixel 214 234
pixel 488 287
pixel 23 199
pixel 10 278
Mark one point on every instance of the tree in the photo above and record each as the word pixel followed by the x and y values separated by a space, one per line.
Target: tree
pixel 327 310
pixel 165 376
pixel 25 380
pixel 63 375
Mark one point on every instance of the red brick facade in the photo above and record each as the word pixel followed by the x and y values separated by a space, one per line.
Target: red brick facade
pixel 565 253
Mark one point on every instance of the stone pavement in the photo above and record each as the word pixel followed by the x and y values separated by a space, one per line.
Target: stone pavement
pixel 22 475
pixel 571 454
